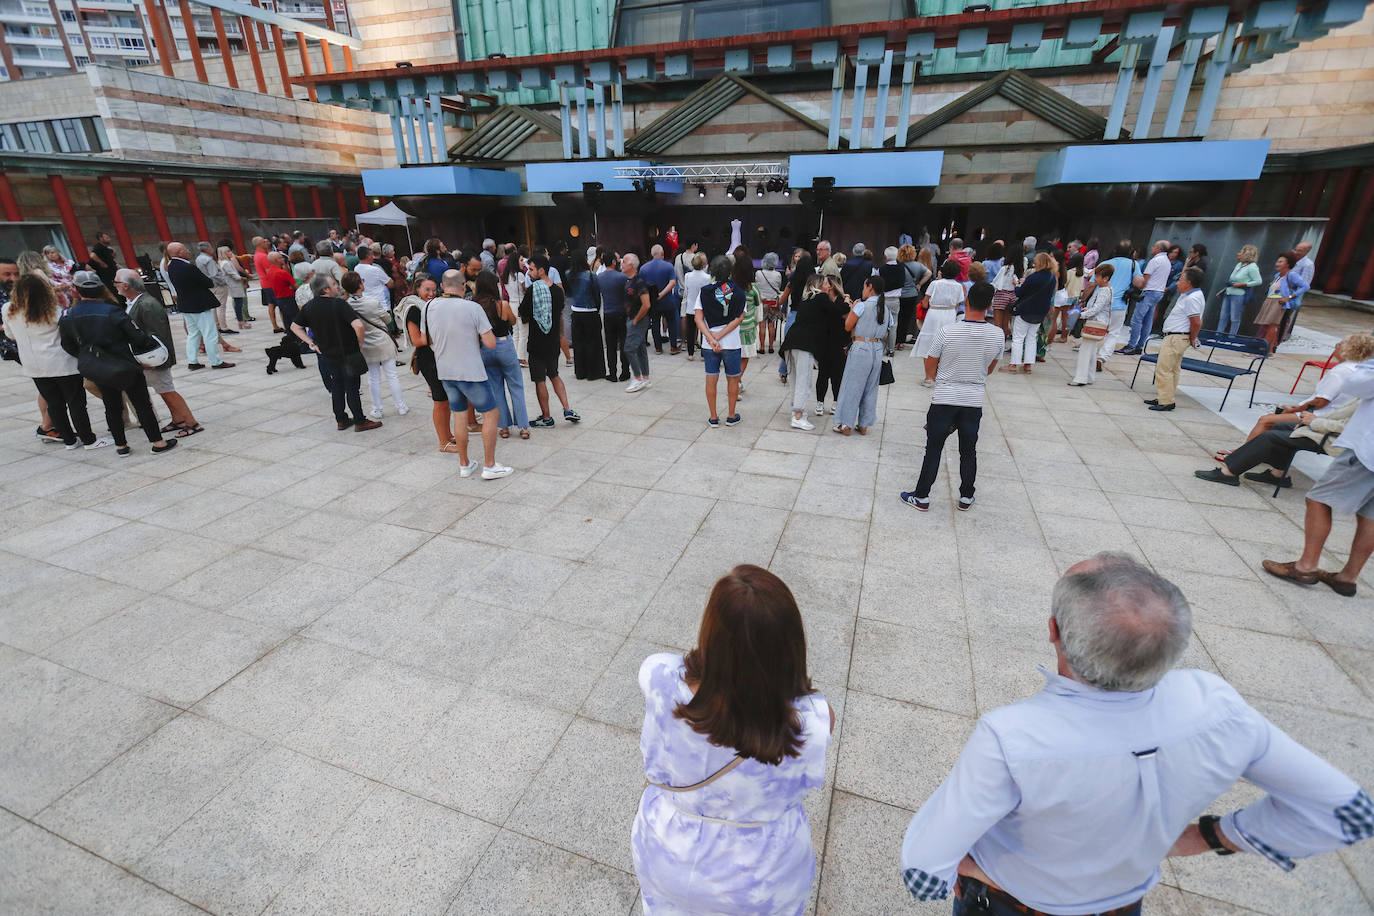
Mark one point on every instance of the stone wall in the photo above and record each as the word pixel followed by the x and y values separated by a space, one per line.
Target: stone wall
pixel 419 31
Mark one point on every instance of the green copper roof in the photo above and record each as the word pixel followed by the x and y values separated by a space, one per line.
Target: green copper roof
pixel 518 28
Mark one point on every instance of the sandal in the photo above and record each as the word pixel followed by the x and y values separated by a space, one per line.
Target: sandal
pixel 474 429
pixel 842 430
pixel 524 433
pixel 1291 572
pixel 504 433
pixel 170 427
pixel 861 430
pixel 184 431
pixel 1026 370
pixel 451 446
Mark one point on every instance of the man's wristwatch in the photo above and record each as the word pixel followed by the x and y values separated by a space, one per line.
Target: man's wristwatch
pixel 1207 826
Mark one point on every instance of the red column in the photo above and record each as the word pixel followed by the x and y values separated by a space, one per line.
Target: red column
pixel 326 55
pixel 315 202
pixel 339 202
pixel 260 200
pixel 64 207
pixel 348 58
pixel 1345 185
pixel 164 232
pixel 1364 213
pixel 190 26
pixel 232 215
pixel 281 62
pixel 8 204
pixel 126 244
pixel 222 38
pixel 246 27
pixel 1247 190
pixel 304 47
pixel 1364 289
pixel 197 214
pixel 166 44
pixel 290 200
pixel 1312 194
pixel 362 200
pixel 1290 202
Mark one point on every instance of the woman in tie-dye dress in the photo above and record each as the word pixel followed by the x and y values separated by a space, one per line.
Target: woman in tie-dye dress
pixel 740 844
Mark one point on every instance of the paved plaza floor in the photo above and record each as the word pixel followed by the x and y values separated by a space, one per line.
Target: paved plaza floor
pixel 285 669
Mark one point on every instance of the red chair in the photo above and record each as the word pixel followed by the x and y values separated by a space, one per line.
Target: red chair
pixel 1312 362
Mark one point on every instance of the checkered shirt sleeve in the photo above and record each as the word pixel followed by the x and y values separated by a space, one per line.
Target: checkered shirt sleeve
pixel 925 886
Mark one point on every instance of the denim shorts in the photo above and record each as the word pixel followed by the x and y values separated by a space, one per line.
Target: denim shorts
pixel 712 359
pixel 462 394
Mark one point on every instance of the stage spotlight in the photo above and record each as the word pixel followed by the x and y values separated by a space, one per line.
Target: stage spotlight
pixel 701 190
pixel 759 191
pixel 786 192
pixel 739 189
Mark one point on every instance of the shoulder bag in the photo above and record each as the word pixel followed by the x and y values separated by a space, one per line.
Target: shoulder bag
pixel 885 376
pixel 705 782
pixel 415 353
pixel 1133 293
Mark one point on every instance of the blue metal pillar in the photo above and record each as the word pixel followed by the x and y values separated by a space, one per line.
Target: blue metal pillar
pixel 1216 73
pixel 904 107
pixel 1187 66
pixel 436 120
pixel 856 117
pixel 1149 98
pixel 599 101
pixel 563 93
pixel 1129 54
pixel 396 137
pixel 880 111
pixel 832 140
pixel 413 142
pixel 617 115
pixel 583 138
pixel 418 106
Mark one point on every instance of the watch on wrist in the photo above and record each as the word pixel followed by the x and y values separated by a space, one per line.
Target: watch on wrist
pixel 1207 826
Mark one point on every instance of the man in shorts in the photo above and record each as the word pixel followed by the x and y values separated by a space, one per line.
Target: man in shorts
pixel 1347 487
pixel 542 311
pixel 151 315
pixel 457 329
pixel 719 311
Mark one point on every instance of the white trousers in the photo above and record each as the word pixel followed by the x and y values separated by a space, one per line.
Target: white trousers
pixel 374 384
pixel 521 333
pixel 800 364
pixel 1108 344
pixel 1023 335
pixel 1087 362
pixel 222 310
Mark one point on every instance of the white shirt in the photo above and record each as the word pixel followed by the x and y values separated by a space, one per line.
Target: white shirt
pixel 1305 268
pixel 1358 435
pixel 1330 385
pixel 692 284
pixel 945 294
pixel 1190 304
pixel 965 349
pixel 374 281
pixel 1157 273
pixel 1069 799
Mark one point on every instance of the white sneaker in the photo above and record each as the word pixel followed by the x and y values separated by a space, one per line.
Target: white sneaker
pixel 376 415
pixel 832 410
pixel 495 471
pixel 74 446
pixel 102 442
pixel 634 386
pixel 465 470
pixel 403 410
pixel 646 383
pixel 927 383
pixel 802 423
pixel 820 408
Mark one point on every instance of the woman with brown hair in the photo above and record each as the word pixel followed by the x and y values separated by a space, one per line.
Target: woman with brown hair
pixel 734 738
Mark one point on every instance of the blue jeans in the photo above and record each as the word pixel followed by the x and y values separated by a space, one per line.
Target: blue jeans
pixel 1232 310
pixel 201 326
pixel 1143 319
pixel 786 326
pixel 665 312
pixel 503 374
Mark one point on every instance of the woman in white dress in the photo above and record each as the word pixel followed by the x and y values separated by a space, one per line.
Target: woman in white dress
pixel 942 300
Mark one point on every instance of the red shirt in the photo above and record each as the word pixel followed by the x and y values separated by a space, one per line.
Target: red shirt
pixel 280 282
pixel 962 258
pixel 260 263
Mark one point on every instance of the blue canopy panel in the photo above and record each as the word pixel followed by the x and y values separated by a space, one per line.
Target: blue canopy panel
pixel 1129 163
pixel 440 179
pixel 570 176
pixel 912 169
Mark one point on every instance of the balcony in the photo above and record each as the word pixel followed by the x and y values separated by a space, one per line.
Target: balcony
pixel 29 60
pixel 19 16
pixel 33 41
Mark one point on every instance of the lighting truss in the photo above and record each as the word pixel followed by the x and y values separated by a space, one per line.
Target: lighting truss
pixel 714 173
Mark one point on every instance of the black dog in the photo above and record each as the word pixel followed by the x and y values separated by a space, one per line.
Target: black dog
pixel 289 348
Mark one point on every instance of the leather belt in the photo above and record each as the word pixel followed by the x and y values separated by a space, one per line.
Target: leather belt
pixel 976 890
pixel 868 339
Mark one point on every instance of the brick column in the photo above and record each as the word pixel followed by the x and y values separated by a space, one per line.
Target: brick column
pixel 315 202
pixel 121 231
pixel 197 214
pixel 260 199
pixel 290 200
pixel 164 232
pixel 232 214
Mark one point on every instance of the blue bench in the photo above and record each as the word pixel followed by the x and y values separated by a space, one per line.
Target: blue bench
pixel 1257 348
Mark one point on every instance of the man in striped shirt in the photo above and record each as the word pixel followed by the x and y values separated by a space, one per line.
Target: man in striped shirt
pixel 964 354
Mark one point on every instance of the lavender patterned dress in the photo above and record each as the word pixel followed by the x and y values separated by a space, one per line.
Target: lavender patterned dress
pixel 688 861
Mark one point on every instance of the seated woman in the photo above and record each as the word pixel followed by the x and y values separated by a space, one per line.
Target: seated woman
pixel 734 738
pixel 1276 438
pixel 1350 352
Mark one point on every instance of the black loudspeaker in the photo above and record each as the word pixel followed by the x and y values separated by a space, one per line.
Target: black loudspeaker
pixel 591 193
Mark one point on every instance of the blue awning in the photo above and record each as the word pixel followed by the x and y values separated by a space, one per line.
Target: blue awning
pixel 1129 163
pixel 569 176
pixel 440 179
pixel 910 169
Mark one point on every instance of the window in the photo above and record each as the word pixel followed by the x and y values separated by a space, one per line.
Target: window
pixel 37 9
pixel 102 41
pixel 654 21
pixel 75 40
pixel 35 137
pixel 9 140
pixel 135 44
pixel 81 61
pixel 68 16
pixel 67 135
pixel 70 137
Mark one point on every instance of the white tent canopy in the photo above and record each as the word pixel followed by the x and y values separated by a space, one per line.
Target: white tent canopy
pixel 390 215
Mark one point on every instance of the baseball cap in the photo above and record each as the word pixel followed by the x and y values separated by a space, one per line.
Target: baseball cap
pixel 87 279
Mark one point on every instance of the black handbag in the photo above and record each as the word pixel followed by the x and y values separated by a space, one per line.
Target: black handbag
pixel 107 370
pixel 355 363
pixel 885 376
pixel 1077 329
pixel 9 350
